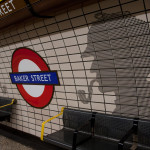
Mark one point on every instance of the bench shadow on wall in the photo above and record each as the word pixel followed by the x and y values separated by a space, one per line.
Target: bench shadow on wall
pixel 120 47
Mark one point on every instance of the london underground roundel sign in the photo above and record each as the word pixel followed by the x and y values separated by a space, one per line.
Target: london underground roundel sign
pixel 33 77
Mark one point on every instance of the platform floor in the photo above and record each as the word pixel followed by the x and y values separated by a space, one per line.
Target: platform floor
pixel 11 139
pixel 8 144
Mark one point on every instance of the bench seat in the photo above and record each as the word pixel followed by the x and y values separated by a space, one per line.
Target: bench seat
pixel 143 135
pixel 72 120
pixel 99 144
pixel 109 130
pixel 83 130
pixel 64 138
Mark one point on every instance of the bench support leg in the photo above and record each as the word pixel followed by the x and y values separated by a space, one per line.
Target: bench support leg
pixel 74 140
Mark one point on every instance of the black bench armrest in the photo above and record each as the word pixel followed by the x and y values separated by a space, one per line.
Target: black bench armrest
pixel 133 130
pixel 90 123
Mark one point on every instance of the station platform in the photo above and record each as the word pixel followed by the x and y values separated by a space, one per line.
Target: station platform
pixel 11 139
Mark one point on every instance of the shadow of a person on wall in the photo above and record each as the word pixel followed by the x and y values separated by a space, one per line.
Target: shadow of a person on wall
pixel 120 46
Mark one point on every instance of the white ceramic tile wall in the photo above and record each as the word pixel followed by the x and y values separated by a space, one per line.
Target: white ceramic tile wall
pixel 107 56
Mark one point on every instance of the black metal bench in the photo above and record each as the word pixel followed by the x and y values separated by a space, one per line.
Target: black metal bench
pixel 6 108
pixel 111 133
pixel 84 130
pixel 72 120
pixel 143 135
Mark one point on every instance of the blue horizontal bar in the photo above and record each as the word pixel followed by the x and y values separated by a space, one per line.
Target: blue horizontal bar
pixel 42 78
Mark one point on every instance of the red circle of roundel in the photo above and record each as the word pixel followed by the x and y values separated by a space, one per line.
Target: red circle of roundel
pixel 45 98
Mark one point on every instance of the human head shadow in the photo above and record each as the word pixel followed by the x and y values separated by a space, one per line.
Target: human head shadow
pixel 121 51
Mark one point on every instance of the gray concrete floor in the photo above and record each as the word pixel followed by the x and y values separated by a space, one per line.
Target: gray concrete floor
pixel 8 144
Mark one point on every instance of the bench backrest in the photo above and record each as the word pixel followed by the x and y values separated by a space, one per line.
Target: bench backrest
pixel 144 132
pixel 74 119
pixel 5 101
pixel 112 126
